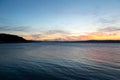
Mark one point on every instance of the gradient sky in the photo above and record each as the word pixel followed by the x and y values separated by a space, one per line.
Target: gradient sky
pixel 61 19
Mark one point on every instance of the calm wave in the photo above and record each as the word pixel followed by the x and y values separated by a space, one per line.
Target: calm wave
pixel 60 61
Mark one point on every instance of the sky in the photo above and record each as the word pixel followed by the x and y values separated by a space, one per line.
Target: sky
pixel 61 19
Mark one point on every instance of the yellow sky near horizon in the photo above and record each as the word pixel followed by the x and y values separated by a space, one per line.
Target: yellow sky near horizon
pixel 113 35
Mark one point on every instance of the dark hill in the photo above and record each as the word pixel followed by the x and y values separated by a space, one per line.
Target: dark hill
pixel 8 38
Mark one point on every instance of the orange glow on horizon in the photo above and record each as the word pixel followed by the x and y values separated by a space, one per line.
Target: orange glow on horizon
pixel 90 36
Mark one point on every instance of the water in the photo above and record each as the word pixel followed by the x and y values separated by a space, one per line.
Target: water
pixel 60 61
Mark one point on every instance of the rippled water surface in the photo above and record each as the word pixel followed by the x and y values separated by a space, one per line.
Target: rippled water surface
pixel 60 61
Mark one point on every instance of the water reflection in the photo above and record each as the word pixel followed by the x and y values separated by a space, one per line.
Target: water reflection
pixel 104 54
pixel 59 61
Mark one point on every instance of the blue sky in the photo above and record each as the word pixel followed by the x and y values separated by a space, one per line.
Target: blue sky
pixel 33 17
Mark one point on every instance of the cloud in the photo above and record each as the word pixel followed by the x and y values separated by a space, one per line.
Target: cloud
pixel 56 32
pixel 109 29
pixel 107 33
pixel 50 35
pixel 3 21
pixel 109 19
pixel 12 28
pixel 55 35
pixel 36 36
pixel 6 25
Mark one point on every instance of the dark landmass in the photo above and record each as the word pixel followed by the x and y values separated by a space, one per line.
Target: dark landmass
pixel 9 38
pixel 87 41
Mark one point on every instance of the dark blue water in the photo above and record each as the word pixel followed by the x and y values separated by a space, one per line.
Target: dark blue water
pixel 60 61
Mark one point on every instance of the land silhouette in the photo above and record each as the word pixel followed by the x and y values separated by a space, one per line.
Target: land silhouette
pixel 10 38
